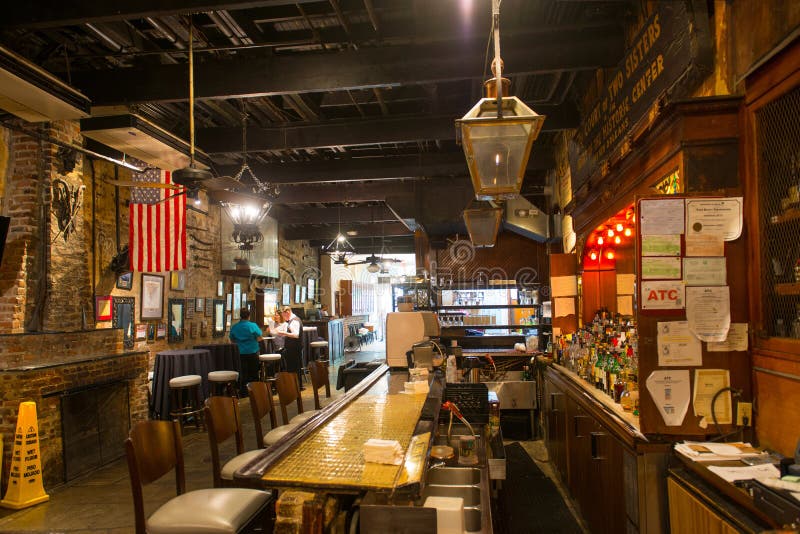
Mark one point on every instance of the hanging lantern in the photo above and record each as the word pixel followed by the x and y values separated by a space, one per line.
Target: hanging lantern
pixel 483 222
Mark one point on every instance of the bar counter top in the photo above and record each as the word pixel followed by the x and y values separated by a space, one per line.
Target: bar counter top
pixel 326 452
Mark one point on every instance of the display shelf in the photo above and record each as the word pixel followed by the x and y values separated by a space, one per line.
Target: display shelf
pixel 787 289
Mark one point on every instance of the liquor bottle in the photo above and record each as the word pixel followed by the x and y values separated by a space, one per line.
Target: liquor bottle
pixel 625 399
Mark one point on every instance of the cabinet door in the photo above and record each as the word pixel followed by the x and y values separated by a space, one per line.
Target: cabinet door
pixel 608 479
pixel 556 427
pixel 580 427
pixel 687 515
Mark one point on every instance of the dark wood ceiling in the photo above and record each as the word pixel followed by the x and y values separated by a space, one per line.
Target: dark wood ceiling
pixel 348 102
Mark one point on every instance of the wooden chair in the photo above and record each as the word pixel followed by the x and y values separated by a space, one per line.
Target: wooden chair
pixel 289 392
pixel 153 449
pixel 222 418
pixel 319 378
pixel 261 404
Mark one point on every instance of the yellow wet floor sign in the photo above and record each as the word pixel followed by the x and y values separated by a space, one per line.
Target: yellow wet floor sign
pixel 25 486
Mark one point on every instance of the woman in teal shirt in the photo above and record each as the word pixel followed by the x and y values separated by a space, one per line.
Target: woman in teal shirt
pixel 246 334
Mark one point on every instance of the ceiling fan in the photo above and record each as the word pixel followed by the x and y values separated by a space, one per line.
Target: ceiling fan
pixel 191 178
pixel 375 263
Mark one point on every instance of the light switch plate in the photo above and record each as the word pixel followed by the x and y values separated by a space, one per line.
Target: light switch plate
pixel 744 410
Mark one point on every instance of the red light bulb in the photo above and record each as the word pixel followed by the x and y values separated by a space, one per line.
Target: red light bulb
pixel 610 233
pixel 600 240
pixel 617 240
pixel 619 227
pixel 593 255
pixel 628 232
pixel 610 255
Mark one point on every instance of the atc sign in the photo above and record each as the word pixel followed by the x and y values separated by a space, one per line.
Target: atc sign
pixel 670 295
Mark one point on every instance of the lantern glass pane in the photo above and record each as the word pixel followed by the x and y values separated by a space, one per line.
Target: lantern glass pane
pixel 499 151
pixel 482 225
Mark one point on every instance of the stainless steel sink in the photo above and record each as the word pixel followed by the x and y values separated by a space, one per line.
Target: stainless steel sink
pixel 470 494
pixel 456 476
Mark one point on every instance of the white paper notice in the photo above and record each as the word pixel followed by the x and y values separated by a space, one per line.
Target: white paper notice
pixel 677 346
pixel 626 284
pixel 658 268
pixel 708 310
pixel 671 391
pixel 736 340
pixel 661 245
pixel 564 306
pixel 625 305
pixel 707 382
pixel 563 286
pixel 661 216
pixel 669 295
pixel 705 245
pixel 718 216
pixel 705 271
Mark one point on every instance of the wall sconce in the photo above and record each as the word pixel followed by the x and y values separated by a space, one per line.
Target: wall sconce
pixel 483 222
pixel 498 132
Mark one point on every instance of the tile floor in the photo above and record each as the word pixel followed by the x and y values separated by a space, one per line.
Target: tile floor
pixel 101 501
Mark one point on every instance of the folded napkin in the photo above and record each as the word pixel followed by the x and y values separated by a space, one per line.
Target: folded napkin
pixel 383 451
pixel 416 387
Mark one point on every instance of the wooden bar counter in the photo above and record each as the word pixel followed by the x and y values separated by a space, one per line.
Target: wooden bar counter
pixel 325 452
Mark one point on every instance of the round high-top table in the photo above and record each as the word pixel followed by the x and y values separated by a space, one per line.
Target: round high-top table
pixel 309 334
pixel 172 363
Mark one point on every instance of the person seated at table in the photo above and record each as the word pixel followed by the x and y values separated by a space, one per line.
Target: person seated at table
pixel 289 332
pixel 246 334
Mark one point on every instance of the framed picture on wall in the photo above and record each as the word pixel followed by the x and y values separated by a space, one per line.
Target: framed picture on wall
pixel 302 295
pixel 286 295
pixel 220 288
pixel 125 281
pixel 102 308
pixel 141 331
pixel 237 299
pixel 297 294
pixel 152 296
pixel 312 288
pixel 228 302
pixel 177 280
pixel 161 331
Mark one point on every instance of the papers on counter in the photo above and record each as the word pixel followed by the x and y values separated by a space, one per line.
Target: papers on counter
pixel 746 472
pixel 706 451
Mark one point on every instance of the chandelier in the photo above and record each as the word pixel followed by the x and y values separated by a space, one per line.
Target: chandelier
pixel 269 189
pixel 498 132
pixel 340 249
pixel 246 223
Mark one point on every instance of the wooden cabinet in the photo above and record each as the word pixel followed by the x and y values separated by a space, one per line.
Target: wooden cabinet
pixel 689 515
pixel 612 472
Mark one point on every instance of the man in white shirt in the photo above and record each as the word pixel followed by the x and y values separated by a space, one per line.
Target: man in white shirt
pixel 290 330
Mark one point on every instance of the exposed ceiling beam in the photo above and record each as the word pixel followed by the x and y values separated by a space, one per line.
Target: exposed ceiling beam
pixel 379 168
pixel 55 13
pixel 373 245
pixel 354 192
pixel 333 215
pixel 351 69
pixel 366 132
pixel 364 230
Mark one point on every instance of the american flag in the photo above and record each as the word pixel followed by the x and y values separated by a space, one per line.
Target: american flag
pixel 157 226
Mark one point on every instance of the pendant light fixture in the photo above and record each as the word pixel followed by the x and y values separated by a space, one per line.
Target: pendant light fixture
pixel 498 132
pixel 483 222
pixel 340 249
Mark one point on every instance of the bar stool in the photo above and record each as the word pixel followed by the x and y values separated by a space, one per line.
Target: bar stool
pixel 269 344
pixel 320 350
pixel 225 381
pixel 268 363
pixel 185 399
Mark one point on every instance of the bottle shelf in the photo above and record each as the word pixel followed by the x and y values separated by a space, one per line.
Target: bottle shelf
pixel 787 289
